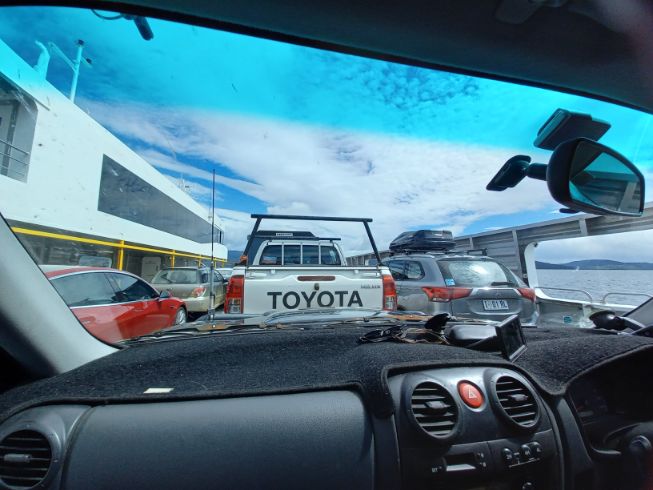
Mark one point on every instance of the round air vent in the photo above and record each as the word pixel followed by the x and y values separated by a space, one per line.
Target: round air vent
pixel 517 402
pixel 25 458
pixel 434 410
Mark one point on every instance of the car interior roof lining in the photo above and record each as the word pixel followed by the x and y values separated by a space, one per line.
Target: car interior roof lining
pixel 571 48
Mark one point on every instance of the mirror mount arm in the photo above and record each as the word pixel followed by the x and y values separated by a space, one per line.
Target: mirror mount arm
pixel 537 171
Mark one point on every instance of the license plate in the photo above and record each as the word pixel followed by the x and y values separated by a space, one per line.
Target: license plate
pixel 495 304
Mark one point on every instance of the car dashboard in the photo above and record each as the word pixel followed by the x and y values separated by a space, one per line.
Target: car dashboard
pixel 450 423
pixel 613 408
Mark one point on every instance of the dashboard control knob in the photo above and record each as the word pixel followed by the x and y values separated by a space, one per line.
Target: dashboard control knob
pixel 528 486
pixel 526 451
pixel 506 454
pixel 536 449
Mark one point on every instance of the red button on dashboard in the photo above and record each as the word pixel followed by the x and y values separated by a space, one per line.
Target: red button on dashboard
pixel 470 394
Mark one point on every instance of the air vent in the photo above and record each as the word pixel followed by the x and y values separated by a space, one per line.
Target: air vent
pixel 517 402
pixel 434 410
pixel 25 458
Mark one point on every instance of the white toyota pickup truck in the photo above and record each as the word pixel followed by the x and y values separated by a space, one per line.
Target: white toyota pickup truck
pixel 290 270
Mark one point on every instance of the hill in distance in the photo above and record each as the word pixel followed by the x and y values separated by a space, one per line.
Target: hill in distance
pixel 595 264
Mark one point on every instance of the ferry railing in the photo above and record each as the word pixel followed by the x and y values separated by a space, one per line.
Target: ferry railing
pixel 624 293
pixel 588 295
pixel 576 311
pixel 8 154
pixel 582 291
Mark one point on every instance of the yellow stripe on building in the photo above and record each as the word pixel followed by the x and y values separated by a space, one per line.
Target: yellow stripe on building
pixel 121 246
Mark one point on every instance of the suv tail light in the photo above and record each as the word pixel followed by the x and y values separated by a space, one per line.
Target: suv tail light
pixel 233 302
pixel 389 293
pixel 527 293
pixel 446 294
pixel 197 292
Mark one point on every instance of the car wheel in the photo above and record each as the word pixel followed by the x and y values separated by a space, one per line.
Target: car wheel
pixel 181 316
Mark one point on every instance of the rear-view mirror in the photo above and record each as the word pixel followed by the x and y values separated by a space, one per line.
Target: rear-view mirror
pixel 165 294
pixel 584 175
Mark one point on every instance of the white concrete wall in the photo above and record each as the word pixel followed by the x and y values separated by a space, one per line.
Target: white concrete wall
pixel 63 182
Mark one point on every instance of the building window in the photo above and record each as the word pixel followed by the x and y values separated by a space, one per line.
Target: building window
pixel 46 250
pixel 127 196
pixel 17 124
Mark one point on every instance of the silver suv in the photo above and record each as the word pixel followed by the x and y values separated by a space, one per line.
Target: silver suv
pixel 192 284
pixel 461 285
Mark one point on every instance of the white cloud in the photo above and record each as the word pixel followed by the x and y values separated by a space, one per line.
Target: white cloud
pixel 166 162
pixel 300 169
pixel 237 225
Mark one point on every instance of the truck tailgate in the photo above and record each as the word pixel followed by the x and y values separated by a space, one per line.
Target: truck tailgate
pixel 275 289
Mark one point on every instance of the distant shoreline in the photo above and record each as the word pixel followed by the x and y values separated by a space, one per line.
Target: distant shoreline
pixel 596 265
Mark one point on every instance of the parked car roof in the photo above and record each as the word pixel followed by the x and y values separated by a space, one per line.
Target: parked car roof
pixel 59 270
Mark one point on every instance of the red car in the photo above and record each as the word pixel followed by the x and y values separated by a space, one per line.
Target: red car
pixel 114 305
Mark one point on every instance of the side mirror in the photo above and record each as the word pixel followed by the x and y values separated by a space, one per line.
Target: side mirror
pixel 587 176
pixel 165 294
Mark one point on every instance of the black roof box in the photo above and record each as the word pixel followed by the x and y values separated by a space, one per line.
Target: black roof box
pixel 423 241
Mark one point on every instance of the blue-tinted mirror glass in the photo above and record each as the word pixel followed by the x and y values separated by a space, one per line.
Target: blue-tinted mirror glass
pixel 602 180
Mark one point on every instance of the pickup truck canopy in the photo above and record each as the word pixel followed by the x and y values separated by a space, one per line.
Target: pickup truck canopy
pixel 259 217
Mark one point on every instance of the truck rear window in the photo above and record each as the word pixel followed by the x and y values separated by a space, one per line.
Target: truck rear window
pixel 292 254
pixel 271 255
pixel 299 255
pixel 476 273
pixel 329 256
pixel 311 255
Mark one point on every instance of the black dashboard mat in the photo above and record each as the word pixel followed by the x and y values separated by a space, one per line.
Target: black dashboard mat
pixel 554 361
pixel 286 361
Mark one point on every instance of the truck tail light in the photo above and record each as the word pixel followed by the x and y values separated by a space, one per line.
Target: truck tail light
pixel 233 302
pixel 197 292
pixel 446 294
pixel 389 293
pixel 527 293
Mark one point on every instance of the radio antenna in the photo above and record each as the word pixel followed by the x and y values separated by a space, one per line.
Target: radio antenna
pixel 211 279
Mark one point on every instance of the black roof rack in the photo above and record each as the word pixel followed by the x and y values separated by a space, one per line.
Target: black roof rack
pixel 258 217
pixel 280 235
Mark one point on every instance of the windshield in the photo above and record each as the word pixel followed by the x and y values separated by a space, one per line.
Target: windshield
pixel 150 156
pixel 176 276
pixel 476 273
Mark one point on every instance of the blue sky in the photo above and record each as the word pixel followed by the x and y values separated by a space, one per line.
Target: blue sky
pixel 298 130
